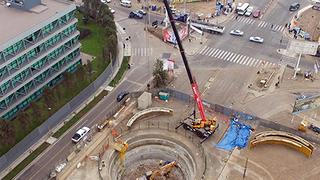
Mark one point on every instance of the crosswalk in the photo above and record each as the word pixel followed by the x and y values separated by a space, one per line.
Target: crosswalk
pixel 261 24
pixel 142 51
pixel 275 27
pixel 234 57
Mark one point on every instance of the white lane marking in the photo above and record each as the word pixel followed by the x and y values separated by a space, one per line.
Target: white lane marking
pixel 225 56
pixel 230 57
pixel 212 52
pixel 219 57
pixel 203 49
pixel 235 58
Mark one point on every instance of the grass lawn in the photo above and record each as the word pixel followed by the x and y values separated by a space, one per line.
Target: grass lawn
pixel 122 70
pixel 62 93
pixel 93 44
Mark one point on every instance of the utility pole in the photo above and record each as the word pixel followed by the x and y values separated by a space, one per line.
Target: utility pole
pixel 296 69
pixel 245 169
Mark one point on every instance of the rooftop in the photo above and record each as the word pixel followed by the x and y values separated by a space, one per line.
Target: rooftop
pixel 14 22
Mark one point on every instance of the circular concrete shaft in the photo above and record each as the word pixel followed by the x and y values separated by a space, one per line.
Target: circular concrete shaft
pixel 146 149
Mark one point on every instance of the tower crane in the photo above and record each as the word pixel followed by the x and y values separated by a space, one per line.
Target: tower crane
pixel 202 127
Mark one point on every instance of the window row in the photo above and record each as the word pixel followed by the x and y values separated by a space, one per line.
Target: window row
pixel 37 65
pixel 34 52
pixel 13 49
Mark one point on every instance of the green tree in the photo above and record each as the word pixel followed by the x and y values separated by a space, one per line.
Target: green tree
pixel 160 76
pixel 23 118
pixel 49 97
pixel 7 133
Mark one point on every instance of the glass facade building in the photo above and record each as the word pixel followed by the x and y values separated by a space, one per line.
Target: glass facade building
pixel 37 59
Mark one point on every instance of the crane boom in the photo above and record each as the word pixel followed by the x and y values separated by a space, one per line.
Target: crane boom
pixel 194 85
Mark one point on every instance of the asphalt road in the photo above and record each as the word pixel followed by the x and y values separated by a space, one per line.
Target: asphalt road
pixel 270 27
pixel 136 78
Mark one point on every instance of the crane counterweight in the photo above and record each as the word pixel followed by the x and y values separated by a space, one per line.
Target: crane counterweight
pixel 205 127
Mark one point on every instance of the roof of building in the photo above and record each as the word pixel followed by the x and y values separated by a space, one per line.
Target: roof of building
pixel 15 23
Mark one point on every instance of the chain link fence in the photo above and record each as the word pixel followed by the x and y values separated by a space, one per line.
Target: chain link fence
pixel 62 114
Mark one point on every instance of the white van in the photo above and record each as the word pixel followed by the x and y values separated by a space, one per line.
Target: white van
pixel 249 11
pixel 125 3
pixel 242 10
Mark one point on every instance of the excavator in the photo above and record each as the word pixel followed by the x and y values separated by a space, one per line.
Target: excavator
pixel 164 170
pixel 202 127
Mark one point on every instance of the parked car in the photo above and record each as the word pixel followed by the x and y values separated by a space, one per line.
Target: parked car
pixel 112 10
pixel 122 95
pixel 105 1
pixel 249 11
pixel 182 17
pixel 135 15
pixel 125 3
pixel 256 13
pixel 237 32
pixel 142 12
pixel 80 134
pixel 316 6
pixel 256 39
pixel 294 7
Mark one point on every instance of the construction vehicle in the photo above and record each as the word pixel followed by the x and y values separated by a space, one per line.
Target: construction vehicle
pixel 203 127
pixel 162 171
pixel 122 148
pixel 105 123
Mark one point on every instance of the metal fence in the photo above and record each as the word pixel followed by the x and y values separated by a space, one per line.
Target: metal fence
pixel 240 115
pixel 58 117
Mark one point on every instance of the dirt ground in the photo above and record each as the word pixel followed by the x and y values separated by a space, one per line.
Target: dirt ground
pixel 262 162
pixel 195 7
pixel 309 22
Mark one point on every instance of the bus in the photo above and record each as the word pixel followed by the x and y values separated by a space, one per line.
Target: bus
pixel 242 9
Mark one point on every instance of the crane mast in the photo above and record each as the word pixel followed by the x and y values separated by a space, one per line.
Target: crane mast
pixel 194 85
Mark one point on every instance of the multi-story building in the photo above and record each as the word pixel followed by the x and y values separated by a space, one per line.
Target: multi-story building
pixel 38 42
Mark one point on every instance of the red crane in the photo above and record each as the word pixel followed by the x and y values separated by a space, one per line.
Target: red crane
pixel 203 127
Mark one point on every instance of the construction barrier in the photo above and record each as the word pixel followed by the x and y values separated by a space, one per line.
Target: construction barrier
pixel 148 111
pixel 284 138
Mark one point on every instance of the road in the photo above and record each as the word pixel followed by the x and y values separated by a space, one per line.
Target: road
pixel 136 78
pixel 270 27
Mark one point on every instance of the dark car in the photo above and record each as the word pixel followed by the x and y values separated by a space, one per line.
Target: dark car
pixel 256 13
pixel 122 95
pixel 135 15
pixel 294 7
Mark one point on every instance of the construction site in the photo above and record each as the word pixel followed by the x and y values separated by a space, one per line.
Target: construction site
pixel 167 134
pixel 142 141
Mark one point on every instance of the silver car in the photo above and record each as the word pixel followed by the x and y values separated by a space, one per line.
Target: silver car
pixel 256 39
pixel 236 32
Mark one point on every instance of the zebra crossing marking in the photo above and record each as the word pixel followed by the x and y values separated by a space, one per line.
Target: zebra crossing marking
pixel 216 53
pixel 261 24
pixel 212 52
pixel 141 51
pixel 231 57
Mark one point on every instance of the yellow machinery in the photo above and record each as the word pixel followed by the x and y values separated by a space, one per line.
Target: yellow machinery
pixel 122 148
pixel 303 126
pixel 164 170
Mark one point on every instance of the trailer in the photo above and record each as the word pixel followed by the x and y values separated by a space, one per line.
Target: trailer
pixel 208 27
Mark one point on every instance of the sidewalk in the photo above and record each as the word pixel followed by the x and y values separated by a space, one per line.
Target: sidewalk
pixel 47 137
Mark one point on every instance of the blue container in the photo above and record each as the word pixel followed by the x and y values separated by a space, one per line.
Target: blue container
pixel 164 96
pixel 153 8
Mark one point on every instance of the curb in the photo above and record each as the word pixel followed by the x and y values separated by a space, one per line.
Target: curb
pixel 52 131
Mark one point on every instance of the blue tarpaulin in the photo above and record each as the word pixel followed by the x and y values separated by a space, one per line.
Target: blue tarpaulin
pixel 237 136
